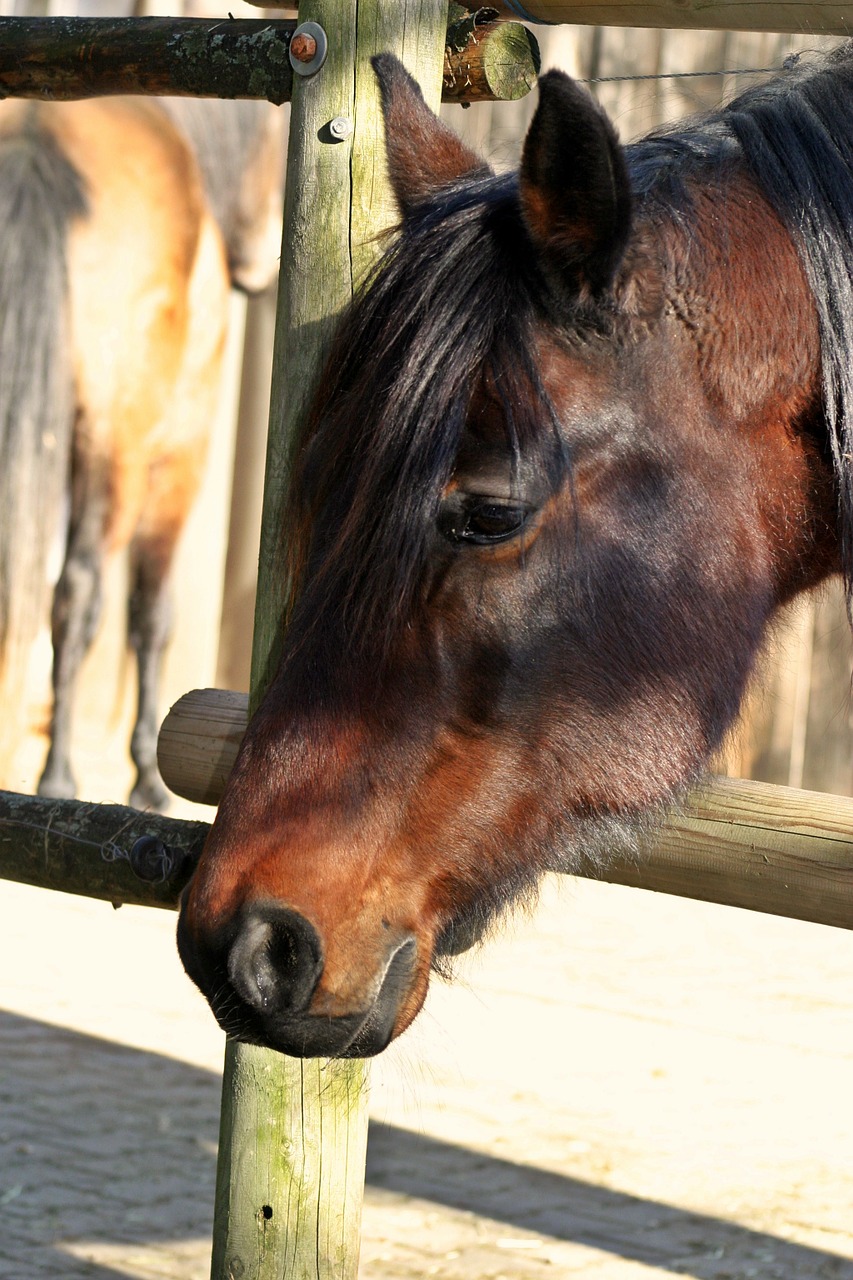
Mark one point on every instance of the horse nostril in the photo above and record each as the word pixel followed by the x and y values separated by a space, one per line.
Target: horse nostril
pixel 276 960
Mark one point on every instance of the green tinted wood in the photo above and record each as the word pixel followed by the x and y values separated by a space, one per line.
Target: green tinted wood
pixel 293 1134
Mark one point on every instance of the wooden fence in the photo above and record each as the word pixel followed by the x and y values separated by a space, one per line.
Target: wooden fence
pixel 293 1133
pixel 821 16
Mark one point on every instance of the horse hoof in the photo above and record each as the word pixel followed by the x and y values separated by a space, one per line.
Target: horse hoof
pixel 149 793
pixel 57 786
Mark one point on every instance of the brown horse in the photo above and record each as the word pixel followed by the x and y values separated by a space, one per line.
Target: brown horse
pixel 123 224
pixel 585 431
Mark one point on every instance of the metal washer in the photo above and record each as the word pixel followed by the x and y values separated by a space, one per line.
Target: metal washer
pixel 316 32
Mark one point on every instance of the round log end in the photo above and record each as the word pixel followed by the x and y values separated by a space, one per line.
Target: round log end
pixel 499 63
pixel 199 740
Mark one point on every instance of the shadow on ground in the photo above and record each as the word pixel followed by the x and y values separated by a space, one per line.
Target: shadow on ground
pixel 111 1146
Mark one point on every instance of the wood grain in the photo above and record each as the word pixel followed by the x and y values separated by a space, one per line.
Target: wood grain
pixel 293 1134
pixel 812 16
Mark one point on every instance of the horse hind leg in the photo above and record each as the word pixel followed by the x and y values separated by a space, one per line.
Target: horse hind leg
pixel 75 615
pixel 150 615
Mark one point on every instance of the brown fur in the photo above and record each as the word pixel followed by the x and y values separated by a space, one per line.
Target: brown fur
pixel 148 281
pixel 507 698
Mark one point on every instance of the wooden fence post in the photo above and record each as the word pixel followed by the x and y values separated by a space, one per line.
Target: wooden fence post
pixel 293 1134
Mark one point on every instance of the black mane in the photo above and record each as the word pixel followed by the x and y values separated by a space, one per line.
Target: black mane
pixel 453 297
pixel 457 294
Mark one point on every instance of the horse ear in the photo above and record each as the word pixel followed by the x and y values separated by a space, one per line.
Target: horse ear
pixel 423 154
pixel 574 187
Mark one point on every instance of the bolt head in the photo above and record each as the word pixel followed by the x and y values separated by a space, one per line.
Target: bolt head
pixel 303 48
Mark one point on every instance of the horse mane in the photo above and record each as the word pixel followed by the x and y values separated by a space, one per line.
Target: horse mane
pixel 455 297
pixel 794 134
pixel 451 299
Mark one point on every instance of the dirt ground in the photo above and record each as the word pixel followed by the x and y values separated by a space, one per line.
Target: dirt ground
pixel 621 1087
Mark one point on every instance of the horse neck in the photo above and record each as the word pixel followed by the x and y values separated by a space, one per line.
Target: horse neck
pixel 737 288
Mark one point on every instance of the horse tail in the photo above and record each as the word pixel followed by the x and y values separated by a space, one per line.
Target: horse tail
pixel 40 194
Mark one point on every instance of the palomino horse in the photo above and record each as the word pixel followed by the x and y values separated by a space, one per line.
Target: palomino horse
pixel 585 431
pixel 123 223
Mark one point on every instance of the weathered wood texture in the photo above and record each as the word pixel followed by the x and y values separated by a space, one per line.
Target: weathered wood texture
pixel 198 742
pixel 293 1136
pixel 745 844
pixel 498 61
pixel 61 59
pixel 98 850
pixel 67 58
pixel 751 844
pixel 818 16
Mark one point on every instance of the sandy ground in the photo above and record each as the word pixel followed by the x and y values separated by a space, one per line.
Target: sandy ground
pixel 621 1087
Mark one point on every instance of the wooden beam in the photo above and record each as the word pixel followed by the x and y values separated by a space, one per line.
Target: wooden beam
pixel 750 844
pixel 491 61
pixel 102 851
pixel 812 17
pixel 745 844
pixel 198 743
pixel 293 1134
pixel 63 59
pixel 67 58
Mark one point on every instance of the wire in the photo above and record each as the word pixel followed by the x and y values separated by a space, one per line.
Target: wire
pixel 788 64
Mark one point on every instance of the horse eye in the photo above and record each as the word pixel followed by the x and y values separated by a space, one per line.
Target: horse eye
pixel 485 521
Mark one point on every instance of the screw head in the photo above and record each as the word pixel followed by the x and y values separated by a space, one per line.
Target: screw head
pixel 340 128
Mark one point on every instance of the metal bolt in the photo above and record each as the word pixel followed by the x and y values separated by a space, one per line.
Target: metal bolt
pixel 303 47
pixel 308 49
pixel 340 128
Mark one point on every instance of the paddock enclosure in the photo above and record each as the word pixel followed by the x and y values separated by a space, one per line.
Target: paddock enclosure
pixel 302 1219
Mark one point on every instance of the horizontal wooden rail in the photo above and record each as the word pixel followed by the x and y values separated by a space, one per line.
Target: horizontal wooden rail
pixel 67 58
pixel 492 62
pixel 63 59
pixel 811 17
pixel 745 844
pixel 749 844
pixel 199 740
pixel 98 850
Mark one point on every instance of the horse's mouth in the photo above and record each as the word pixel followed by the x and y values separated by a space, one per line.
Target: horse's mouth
pixel 294 1029
pixel 311 1035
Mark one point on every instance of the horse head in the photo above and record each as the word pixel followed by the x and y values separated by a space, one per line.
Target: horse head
pixel 562 468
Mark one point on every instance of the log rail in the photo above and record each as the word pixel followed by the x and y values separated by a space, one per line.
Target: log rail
pixel 744 844
pixel 797 17
pixel 739 843
pixel 812 17
pixel 63 59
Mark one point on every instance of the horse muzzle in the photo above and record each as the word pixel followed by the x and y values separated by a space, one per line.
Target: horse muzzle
pixel 263 974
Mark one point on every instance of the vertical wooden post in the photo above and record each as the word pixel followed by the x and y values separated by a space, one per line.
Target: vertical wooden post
pixel 293 1134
